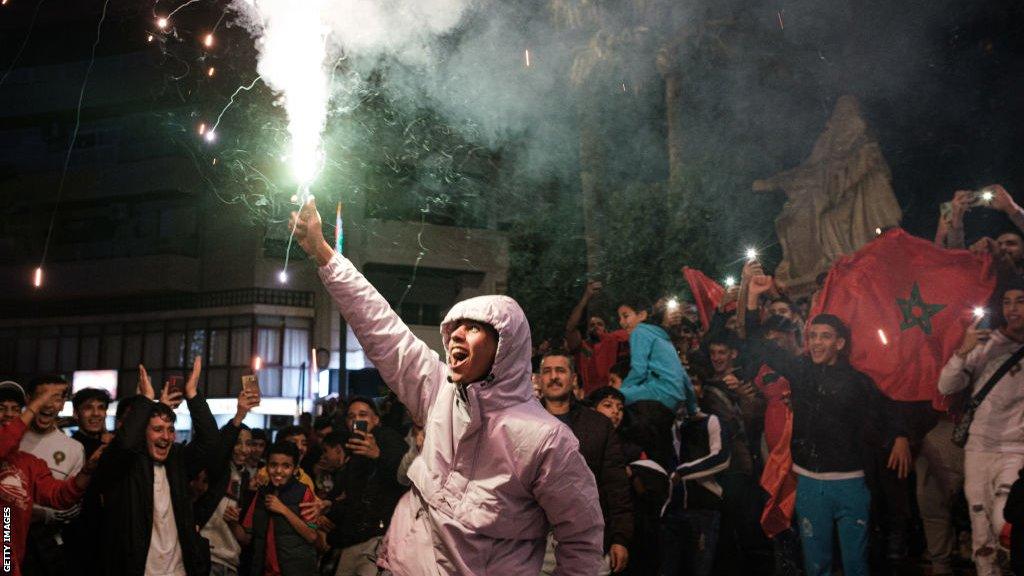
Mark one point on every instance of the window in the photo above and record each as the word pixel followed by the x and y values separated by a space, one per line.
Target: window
pixel 169 347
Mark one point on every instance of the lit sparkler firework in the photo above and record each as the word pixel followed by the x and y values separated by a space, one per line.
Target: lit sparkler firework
pixel 730 282
pixel 293 61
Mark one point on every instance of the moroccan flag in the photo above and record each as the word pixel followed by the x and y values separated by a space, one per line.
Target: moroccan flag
pixel 779 482
pixel 706 294
pixel 907 303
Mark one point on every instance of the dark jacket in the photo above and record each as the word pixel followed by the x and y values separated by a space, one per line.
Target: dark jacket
pixel 366 492
pixel 218 476
pixel 295 556
pixel 125 480
pixel 1014 514
pixel 703 450
pixel 82 535
pixel 722 402
pixel 600 447
pixel 838 412
pixel 648 424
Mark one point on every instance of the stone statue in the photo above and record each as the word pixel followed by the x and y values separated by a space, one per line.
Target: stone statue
pixel 838 199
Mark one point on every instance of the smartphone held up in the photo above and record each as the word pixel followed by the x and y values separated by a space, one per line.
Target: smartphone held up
pixel 175 384
pixel 251 385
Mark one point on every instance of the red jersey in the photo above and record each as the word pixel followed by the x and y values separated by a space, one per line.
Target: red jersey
pixel 26 480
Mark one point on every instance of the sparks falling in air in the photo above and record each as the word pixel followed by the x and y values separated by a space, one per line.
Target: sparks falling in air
pixel 257 364
pixel 208 41
pixel 202 128
pixel 211 71
pixel 881 336
pixel 37 278
pixel 526 54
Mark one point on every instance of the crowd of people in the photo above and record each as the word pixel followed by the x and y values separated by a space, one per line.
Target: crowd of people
pixel 747 444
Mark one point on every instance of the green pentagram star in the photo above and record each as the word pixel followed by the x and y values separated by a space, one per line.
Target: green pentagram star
pixel 923 319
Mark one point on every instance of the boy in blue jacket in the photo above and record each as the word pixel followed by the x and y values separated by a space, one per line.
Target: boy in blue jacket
pixel 655 372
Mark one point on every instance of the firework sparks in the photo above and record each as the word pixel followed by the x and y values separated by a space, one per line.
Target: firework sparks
pixel 293 61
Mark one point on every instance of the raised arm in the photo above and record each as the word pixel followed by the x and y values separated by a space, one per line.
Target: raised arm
pixel 573 337
pixel 11 434
pixel 1001 200
pixel 955 225
pixel 406 364
pixel 759 350
pixel 127 442
pixel 967 363
pixel 201 451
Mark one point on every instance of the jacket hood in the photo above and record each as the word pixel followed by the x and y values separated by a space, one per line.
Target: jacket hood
pixel 509 382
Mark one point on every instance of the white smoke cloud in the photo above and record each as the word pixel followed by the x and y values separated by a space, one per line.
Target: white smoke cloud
pixel 298 40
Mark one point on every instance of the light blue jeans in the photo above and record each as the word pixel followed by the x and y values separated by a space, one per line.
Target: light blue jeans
pixel 822 504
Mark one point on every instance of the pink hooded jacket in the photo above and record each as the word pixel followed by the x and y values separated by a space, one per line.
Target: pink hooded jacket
pixel 482 504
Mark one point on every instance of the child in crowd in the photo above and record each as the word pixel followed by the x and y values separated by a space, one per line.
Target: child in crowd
pixel 655 372
pixel 283 543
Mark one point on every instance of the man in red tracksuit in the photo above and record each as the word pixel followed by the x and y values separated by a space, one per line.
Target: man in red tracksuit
pixel 25 479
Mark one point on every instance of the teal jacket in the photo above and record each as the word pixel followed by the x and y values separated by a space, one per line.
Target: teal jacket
pixel 655 372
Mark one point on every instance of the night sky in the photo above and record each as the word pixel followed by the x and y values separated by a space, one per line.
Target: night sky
pixel 941 82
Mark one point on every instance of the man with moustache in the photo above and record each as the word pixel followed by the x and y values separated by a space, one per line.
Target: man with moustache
pixel 600 447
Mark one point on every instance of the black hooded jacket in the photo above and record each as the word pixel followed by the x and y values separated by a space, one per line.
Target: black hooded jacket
pixel 125 480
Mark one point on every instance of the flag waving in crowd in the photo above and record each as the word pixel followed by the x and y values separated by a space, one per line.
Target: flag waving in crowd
pixel 707 293
pixel 907 303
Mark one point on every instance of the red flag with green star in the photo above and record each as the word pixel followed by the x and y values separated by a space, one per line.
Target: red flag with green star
pixel 907 303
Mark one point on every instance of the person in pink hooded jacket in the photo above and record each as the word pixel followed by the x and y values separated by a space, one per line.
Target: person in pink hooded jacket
pixel 496 472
